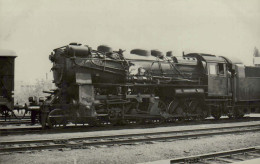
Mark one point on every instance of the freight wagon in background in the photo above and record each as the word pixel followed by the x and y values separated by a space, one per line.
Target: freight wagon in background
pixel 7 63
pixel 102 85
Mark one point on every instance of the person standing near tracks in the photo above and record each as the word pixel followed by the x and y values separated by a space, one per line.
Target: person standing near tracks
pixel 33 108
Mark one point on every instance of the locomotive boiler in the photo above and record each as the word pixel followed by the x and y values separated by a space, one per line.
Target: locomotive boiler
pixel 95 86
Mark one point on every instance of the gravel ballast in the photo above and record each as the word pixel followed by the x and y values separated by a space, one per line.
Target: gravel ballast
pixel 137 153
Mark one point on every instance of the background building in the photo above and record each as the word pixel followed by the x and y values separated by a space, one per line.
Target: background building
pixel 24 90
pixel 256 59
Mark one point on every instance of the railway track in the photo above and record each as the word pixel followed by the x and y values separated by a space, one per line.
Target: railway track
pixel 231 156
pixel 15 122
pixel 126 139
pixel 38 130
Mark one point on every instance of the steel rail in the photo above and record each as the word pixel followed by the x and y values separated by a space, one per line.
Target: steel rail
pixel 110 140
pixel 31 130
pixel 220 156
pixel 39 130
pixel 85 128
pixel 15 122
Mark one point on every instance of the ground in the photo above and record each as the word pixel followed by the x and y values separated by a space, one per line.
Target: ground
pixel 137 153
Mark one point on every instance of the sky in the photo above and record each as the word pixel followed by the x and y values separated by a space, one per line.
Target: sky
pixel 33 28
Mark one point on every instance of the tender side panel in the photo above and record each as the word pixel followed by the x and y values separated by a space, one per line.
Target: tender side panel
pixel 248 83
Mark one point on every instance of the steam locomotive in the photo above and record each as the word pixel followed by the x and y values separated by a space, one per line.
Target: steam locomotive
pixel 102 85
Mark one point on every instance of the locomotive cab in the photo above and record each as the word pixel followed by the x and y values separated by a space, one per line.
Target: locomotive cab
pixel 217 79
pixel 217 74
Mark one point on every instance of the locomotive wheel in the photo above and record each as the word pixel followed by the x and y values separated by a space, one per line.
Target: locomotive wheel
pixel 115 117
pixel 140 121
pixel 56 117
pixel 42 119
pixel 93 123
pixel 50 123
pixel 176 108
pixel 199 108
pixel 54 122
pixel 162 108
pixel 118 122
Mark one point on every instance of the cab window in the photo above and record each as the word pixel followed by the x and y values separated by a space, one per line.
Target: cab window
pixel 212 69
pixel 221 69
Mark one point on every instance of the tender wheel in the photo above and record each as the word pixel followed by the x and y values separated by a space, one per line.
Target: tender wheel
pixel 236 112
pixel 231 113
pixel 216 113
pixel 216 116
pixel 239 112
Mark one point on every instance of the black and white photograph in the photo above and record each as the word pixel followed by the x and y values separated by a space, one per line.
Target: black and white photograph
pixel 129 81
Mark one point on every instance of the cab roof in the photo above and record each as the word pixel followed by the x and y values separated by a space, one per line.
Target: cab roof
pixel 207 57
pixel 232 60
pixel 7 53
